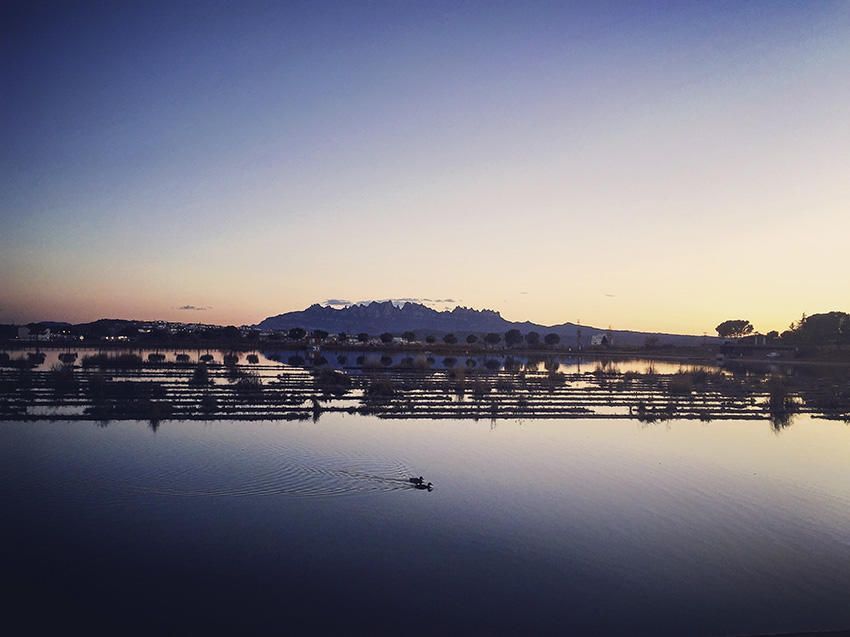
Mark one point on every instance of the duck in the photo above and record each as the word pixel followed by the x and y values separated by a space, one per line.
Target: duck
pixel 417 481
pixel 420 485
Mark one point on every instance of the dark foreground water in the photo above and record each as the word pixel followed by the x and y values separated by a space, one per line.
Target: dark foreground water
pixel 562 527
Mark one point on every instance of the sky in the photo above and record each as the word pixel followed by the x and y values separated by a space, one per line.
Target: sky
pixel 647 166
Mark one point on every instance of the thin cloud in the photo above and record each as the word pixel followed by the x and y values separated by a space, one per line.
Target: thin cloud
pixel 195 308
pixel 338 302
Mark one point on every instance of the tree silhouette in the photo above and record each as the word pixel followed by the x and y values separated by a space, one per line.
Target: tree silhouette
pixel 513 337
pixel 552 339
pixel 533 339
pixel 386 337
pixel 362 337
pixel 409 337
pixel 450 339
pixel 297 333
pixel 492 338
pixel 734 328
pixel 472 339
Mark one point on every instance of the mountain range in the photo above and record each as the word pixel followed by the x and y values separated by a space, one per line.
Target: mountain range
pixel 385 316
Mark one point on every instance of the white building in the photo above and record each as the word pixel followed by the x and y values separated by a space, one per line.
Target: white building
pixel 603 340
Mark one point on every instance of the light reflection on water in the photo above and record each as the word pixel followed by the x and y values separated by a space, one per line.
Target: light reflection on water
pixel 562 362
pixel 546 526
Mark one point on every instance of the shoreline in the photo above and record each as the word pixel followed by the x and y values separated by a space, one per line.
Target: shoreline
pixel 685 356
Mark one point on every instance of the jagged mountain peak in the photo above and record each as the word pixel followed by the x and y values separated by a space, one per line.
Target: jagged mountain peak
pixel 376 317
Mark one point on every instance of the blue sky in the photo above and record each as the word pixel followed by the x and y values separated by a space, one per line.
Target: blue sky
pixel 643 165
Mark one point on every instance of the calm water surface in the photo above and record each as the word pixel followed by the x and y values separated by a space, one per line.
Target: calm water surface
pixel 567 527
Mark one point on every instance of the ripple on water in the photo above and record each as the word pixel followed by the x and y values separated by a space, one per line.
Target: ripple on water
pixel 315 477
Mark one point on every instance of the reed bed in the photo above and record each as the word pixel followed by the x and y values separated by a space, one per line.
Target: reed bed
pixel 103 388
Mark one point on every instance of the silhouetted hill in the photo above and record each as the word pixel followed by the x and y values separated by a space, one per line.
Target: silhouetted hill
pixel 384 316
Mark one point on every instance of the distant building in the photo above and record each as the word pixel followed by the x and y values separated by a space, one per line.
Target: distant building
pixel 603 340
pixel 26 333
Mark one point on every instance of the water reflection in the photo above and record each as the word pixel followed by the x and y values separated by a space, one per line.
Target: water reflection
pixel 566 527
pixel 118 385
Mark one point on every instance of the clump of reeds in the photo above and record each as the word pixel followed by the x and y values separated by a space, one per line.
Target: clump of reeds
pixel 554 380
pixel 780 403
pixel 99 388
pixel 250 384
pixel 62 379
pixel 332 381
pixel 200 375
pixel 480 388
pixel 380 388
pixel 208 404
pixel 512 364
pixel 680 384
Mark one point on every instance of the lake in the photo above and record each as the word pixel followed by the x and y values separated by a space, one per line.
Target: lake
pixel 574 526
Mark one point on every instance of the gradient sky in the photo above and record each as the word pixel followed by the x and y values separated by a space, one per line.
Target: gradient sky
pixel 658 166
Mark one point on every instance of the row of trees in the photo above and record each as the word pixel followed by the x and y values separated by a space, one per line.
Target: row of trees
pixel 817 330
pixel 511 338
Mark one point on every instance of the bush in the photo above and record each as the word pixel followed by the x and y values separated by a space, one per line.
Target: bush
pixel 331 381
pixel 680 384
pixel 380 388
